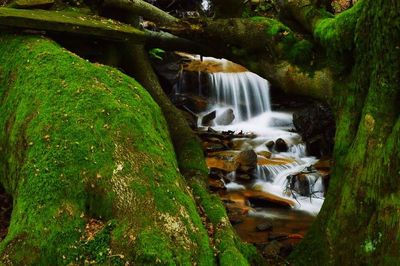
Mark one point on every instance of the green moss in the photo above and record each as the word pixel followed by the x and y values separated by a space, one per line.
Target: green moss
pixel 301 52
pixel 85 141
pixel 286 44
pixel 152 247
pixel 71 21
pixel 337 34
pixel 157 53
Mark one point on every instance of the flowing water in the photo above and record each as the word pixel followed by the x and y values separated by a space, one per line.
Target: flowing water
pixel 247 96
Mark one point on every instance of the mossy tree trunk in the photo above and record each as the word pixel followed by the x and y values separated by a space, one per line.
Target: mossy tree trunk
pixel 87 157
pixel 359 223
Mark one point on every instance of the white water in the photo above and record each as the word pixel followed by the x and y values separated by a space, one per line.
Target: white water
pixel 247 94
pixel 205 5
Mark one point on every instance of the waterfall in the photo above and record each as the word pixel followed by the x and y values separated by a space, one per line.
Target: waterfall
pixel 245 92
pixel 231 89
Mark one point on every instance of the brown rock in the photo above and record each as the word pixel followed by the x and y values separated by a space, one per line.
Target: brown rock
pixel 277 236
pixel 273 161
pixel 216 185
pixel 270 144
pixel 217 174
pixel 324 167
pixel 272 249
pixel 211 66
pixel 247 161
pixel 224 160
pixel 265 154
pixel 244 176
pixel 265 199
pixel 213 147
pixel 265 226
pixel 238 143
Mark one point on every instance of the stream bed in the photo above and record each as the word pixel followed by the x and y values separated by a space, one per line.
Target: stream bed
pixel 259 165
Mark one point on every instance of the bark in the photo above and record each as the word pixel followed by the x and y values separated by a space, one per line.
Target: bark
pixel 363 198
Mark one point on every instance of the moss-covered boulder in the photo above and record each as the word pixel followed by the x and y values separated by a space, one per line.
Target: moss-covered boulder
pixel 87 157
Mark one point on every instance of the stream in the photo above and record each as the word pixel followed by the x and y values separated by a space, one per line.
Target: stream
pixel 239 104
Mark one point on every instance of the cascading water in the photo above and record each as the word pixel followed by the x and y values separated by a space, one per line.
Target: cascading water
pixel 247 95
pixel 245 92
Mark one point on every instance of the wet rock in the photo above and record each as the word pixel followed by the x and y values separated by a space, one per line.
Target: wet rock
pixel 224 160
pixel 273 161
pixel 210 147
pixel 270 144
pixel 281 145
pixel 169 69
pixel 265 199
pixel 216 185
pixel 265 226
pixel 295 236
pixel 303 185
pixel 247 161
pixel 300 183
pixel 324 166
pixel 213 144
pixel 236 211
pixel 226 118
pixel 265 154
pixel 192 103
pixel 277 236
pixel 236 219
pixel 207 119
pixel 272 249
pixel 217 174
pixel 244 177
pixel 316 125
pixel 238 143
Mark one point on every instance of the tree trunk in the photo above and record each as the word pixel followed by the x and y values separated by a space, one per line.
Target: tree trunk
pixel 87 157
pixel 359 223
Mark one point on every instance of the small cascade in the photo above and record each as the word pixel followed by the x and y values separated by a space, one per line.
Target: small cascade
pixel 271 173
pixel 245 92
pixel 230 89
